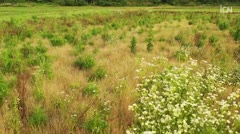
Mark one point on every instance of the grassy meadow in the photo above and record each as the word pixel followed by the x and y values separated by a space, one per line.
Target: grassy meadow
pixel 117 70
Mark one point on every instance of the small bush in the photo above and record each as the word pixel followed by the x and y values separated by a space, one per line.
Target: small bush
pixel 48 35
pixel 179 38
pixel 181 55
pixel 223 25
pixel 11 61
pixel 79 48
pixel 57 41
pixel 213 40
pixel 133 45
pixel 91 90
pixel 96 31
pixel 115 26
pixel 200 43
pixel 70 38
pixel 85 62
pixel 236 34
pixel 38 117
pixel 96 124
pixel 149 45
pixel 98 74
pixel 200 39
pixel 3 89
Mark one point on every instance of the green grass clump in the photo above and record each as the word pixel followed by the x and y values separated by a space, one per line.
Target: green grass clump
pixel 98 74
pixel 133 45
pixel 70 39
pixel 213 40
pixel 91 90
pixel 223 25
pixel 200 39
pixel 85 62
pixel 96 124
pixel 38 117
pixel 57 41
pixel 3 89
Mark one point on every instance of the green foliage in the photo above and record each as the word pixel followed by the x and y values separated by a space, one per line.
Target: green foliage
pixel 11 61
pixel 3 89
pixel 91 90
pixel 115 26
pixel 150 44
pixel 70 39
pixel 179 38
pixel 98 74
pixel 200 39
pixel 10 41
pixel 236 34
pixel 133 45
pixel 79 48
pixel 96 124
pixel 46 34
pixel 57 41
pixel 213 40
pixel 38 117
pixel 223 25
pixel 38 94
pixel 85 37
pixel 85 62
pixel 96 31
pixel 181 55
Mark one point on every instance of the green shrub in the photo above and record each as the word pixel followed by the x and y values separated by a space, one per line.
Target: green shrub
pixel 11 61
pixel 200 43
pixel 96 31
pixel 98 74
pixel 79 48
pixel 179 38
pixel 10 41
pixel 96 124
pixel 85 37
pixel 57 41
pixel 223 25
pixel 91 90
pixel 200 39
pixel 3 89
pixel 213 40
pixel 38 117
pixel 115 26
pixel 149 45
pixel 48 35
pixel 85 62
pixel 70 39
pixel 133 45
pixel 181 55
pixel 236 34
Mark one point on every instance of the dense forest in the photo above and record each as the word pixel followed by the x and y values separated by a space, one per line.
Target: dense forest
pixel 125 2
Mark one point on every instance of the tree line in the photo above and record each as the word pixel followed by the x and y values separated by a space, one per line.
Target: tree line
pixel 124 2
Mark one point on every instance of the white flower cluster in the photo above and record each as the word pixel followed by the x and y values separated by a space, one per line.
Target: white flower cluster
pixel 187 99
